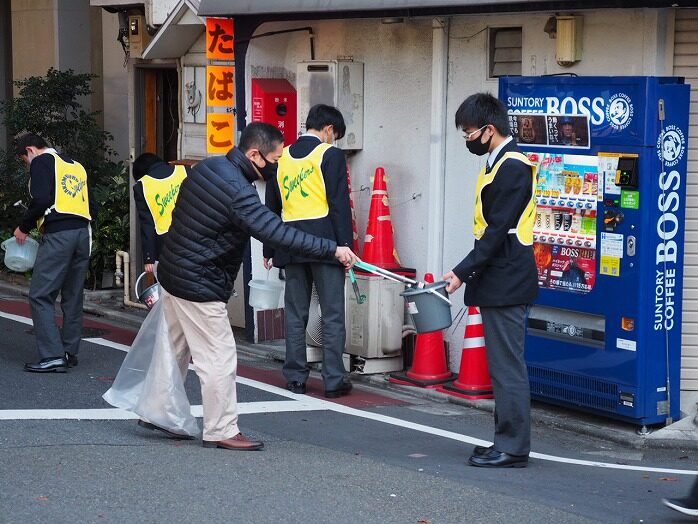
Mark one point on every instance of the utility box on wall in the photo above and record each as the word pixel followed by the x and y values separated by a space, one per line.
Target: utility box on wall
pixel 274 102
pixel 338 83
pixel 138 37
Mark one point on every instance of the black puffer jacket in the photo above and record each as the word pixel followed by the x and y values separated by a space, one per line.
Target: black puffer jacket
pixel 217 210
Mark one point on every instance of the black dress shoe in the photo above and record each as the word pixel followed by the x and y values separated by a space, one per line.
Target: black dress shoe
pixel 296 387
pixel 170 434
pixel 498 459
pixel 48 365
pixel 479 451
pixel 72 360
pixel 341 391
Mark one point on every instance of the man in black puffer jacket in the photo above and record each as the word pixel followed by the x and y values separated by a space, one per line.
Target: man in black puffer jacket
pixel 217 211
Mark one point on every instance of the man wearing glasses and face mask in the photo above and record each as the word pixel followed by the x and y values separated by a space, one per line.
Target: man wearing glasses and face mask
pixel 500 272
pixel 311 193
pixel 217 211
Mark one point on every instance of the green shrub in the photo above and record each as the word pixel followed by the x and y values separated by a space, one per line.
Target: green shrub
pixel 51 106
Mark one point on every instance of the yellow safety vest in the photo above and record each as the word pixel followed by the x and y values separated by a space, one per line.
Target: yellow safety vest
pixel 524 226
pixel 302 186
pixel 161 195
pixel 70 195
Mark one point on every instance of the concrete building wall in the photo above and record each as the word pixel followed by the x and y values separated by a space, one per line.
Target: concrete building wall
pixel 5 63
pixel 34 38
pixel 157 10
pixel 115 85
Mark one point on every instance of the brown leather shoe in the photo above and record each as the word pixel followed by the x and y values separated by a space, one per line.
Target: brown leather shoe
pixel 238 442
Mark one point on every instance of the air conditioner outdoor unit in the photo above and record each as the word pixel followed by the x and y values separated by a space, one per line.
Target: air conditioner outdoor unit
pixel 339 83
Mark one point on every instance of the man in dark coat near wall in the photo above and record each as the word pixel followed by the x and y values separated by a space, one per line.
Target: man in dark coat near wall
pixel 500 272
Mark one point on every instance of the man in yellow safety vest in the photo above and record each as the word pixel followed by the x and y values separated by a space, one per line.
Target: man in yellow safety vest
pixel 155 193
pixel 60 207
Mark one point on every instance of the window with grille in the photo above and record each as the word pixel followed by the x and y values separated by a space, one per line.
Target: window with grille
pixel 505 51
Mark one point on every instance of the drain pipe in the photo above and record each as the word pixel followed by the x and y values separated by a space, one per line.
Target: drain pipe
pixel 123 255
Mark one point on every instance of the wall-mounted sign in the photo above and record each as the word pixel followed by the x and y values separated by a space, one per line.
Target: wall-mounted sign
pixel 219 39
pixel 220 129
pixel 220 86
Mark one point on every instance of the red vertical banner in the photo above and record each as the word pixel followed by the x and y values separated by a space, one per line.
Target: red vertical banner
pixel 219 39
pixel 219 132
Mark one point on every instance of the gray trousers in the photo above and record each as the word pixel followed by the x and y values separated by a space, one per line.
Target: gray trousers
pixel 505 332
pixel 61 265
pixel 329 282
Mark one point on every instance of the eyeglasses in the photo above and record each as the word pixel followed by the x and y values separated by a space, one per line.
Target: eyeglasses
pixel 469 136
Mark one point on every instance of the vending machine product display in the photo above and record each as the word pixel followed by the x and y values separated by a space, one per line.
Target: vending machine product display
pixel 611 152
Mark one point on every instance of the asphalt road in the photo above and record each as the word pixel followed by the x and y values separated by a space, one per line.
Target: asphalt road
pixel 375 457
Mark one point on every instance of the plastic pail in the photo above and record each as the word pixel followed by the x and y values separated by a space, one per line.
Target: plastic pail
pixel 150 295
pixel 265 294
pixel 20 258
pixel 428 311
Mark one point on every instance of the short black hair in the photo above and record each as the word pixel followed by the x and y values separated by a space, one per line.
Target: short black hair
pixel 26 140
pixel 483 109
pixel 143 163
pixel 259 135
pixel 322 115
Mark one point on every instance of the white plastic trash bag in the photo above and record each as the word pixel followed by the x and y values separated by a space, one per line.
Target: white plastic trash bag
pixel 149 382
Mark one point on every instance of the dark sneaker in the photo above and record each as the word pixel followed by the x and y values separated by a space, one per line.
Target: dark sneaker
pixel 341 391
pixel 685 506
pixel 296 387
pixel 72 360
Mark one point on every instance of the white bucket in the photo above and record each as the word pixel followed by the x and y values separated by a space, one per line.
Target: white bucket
pixel 20 258
pixel 265 294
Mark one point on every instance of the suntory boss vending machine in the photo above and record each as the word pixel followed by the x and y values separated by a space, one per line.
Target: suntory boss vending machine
pixel 605 333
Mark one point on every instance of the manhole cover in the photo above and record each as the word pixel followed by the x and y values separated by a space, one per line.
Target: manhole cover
pixel 87 332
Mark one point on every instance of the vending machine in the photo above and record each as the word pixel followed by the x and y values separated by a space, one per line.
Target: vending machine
pixel 611 152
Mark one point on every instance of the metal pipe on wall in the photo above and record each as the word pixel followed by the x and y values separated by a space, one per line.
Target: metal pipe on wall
pixel 437 148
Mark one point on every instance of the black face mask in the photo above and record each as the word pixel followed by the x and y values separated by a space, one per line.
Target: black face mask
pixel 476 147
pixel 269 170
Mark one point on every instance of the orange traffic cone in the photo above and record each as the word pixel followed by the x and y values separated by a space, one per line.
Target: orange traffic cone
pixel 429 367
pixel 473 380
pixel 355 230
pixel 379 248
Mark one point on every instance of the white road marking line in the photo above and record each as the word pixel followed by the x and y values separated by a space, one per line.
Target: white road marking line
pixel 245 408
pixel 17 318
pixel 319 404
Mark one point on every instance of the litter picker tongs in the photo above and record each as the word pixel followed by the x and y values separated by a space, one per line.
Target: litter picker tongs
pixel 396 278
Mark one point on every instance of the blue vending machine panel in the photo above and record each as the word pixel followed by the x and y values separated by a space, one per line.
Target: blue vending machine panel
pixel 605 332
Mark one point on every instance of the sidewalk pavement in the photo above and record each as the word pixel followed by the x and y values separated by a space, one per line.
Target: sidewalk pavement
pixel 681 435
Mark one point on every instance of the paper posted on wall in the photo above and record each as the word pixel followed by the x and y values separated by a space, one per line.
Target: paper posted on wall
pixel 150 383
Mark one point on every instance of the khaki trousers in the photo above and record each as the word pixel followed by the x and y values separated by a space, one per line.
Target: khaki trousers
pixel 202 330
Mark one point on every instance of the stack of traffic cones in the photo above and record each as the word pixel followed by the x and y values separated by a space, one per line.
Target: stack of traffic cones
pixel 355 230
pixel 429 367
pixel 379 248
pixel 473 380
